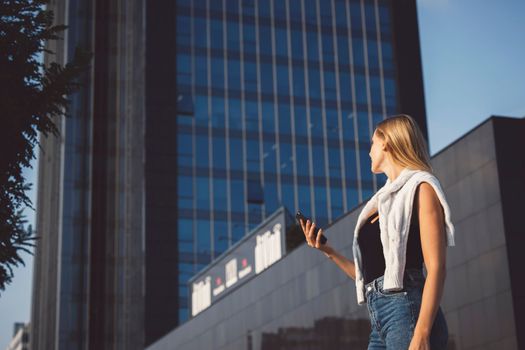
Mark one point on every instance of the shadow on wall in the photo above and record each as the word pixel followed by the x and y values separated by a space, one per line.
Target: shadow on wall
pixel 327 333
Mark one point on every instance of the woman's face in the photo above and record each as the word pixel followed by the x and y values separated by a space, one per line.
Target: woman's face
pixel 377 154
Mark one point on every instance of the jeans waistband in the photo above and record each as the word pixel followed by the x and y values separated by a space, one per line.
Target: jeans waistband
pixel 410 274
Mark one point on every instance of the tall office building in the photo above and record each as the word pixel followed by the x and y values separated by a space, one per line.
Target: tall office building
pixel 88 283
pixel 276 103
pixel 199 119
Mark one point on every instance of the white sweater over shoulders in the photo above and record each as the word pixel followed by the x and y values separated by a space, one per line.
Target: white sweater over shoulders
pixel 394 201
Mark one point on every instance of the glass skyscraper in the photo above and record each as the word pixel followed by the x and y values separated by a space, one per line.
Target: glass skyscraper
pixel 197 121
pixel 276 105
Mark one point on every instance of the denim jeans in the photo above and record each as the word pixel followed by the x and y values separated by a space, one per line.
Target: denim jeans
pixel 393 315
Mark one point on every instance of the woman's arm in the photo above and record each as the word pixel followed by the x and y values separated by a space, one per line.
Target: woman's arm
pixel 433 244
pixel 344 264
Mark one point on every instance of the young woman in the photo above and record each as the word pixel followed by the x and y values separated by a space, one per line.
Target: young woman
pixel 390 244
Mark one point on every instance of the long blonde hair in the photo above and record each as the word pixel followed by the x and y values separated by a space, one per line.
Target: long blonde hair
pixel 405 142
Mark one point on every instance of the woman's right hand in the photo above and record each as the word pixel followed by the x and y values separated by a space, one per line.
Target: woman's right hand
pixel 312 240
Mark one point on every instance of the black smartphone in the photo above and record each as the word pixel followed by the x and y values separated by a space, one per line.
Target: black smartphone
pixel 299 216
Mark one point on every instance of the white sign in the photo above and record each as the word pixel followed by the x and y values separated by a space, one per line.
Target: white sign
pixel 254 253
pixel 201 296
pixel 231 272
pixel 268 248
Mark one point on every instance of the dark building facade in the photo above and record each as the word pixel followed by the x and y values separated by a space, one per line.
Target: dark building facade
pixel 305 301
pixel 198 120
pixel 88 281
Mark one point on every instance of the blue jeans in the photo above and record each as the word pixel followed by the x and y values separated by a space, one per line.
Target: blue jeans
pixel 393 315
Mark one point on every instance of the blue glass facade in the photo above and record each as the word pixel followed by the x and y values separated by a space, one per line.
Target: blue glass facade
pixel 276 104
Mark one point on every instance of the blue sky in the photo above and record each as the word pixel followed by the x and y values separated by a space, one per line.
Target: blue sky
pixel 472 52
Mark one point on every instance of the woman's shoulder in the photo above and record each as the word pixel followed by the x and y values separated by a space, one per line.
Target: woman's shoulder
pixel 422 176
pixel 426 184
pixel 418 177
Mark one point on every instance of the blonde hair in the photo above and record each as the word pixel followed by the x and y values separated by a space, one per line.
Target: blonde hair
pixel 405 142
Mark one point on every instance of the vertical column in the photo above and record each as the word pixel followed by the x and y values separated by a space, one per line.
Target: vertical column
pixel 201 162
pixel 323 115
pixel 266 96
pixel 218 127
pixel 243 119
pixel 348 104
pixel 358 92
pixel 193 126
pixel 366 135
pixel 251 115
pixel 337 66
pixel 292 109
pixel 283 105
pixel 186 175
pixel 297 64
pixel 380 60
pixel 308 113
pixel 98 281
pixel 210 133
pixel 236 152
pixel 227 125
pixel 259 110
pixel 162 280
pixel 276 109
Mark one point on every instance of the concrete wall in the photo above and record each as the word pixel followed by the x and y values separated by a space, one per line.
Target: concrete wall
pixel 477 298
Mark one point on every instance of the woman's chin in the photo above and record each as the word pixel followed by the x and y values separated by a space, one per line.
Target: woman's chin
pixel 376 171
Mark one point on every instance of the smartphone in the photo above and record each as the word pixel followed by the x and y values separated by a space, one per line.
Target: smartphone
pixel 299 216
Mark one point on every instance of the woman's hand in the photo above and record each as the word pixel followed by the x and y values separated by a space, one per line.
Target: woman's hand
pixel 312 240
pixel 419 342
